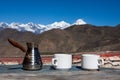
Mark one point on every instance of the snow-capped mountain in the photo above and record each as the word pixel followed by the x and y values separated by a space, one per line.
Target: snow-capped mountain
pixel 39 28
pixel 79 22
pixel 61 25
pixel 3 25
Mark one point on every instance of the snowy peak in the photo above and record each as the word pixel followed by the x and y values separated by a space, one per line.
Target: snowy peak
pixel 39 28
pixel 61 25
pixel 3 25
pixel 79 22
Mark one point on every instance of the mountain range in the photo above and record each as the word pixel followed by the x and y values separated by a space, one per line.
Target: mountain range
pixel 39 28
pixel 78 37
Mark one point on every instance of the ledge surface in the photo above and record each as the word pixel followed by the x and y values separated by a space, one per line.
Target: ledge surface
pixel 15 72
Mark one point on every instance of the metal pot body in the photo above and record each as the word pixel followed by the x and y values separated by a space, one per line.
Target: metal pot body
pixel 32 59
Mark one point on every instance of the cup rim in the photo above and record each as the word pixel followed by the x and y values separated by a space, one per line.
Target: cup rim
pixel 62 54
pixel 90 54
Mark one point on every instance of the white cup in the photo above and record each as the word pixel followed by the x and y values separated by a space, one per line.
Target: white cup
pixel 91 61
pixel 62 61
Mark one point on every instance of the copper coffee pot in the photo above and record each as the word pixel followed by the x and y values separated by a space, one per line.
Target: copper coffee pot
pixel 32 59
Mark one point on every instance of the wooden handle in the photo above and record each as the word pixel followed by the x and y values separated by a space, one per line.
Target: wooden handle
pixel 16 44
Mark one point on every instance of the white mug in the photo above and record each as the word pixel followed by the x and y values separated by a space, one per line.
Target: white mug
pixel 62 61
pixel 91 61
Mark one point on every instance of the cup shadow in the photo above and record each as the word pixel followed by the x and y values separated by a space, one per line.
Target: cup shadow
pixel 74 68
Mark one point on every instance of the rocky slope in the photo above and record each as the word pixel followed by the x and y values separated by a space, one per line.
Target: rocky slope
pixel 76 38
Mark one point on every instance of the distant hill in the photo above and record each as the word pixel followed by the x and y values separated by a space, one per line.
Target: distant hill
pixel 76 38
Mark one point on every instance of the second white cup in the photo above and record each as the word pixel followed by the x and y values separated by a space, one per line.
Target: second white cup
pixel 91 61
pixel 62 61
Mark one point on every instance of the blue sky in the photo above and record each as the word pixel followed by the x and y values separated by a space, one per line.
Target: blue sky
pixel 96 12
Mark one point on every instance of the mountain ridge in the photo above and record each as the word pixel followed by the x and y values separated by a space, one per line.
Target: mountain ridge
pixel 76 38
pixel 39 28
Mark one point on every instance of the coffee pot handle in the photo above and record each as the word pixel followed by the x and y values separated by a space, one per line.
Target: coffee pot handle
pixel 100 61
pixel 54 61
